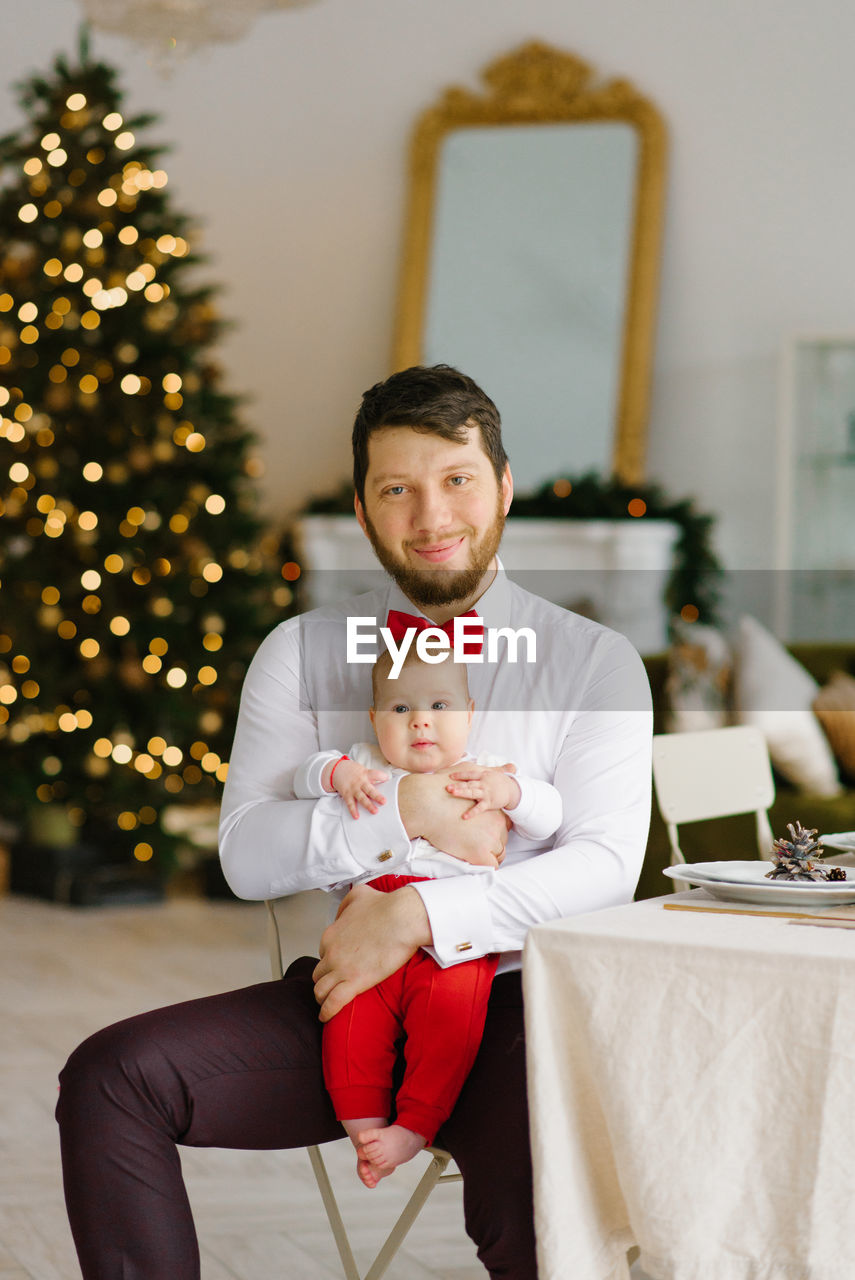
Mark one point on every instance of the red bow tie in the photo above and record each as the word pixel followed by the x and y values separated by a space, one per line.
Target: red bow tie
pixel 399 623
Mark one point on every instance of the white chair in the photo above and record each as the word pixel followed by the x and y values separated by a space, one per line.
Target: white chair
pixel 713 774
pixel 434 1174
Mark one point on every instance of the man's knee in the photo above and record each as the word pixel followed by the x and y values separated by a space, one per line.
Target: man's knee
pixel 118 1068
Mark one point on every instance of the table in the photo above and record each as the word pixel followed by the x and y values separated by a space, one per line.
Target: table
pixel 692 1091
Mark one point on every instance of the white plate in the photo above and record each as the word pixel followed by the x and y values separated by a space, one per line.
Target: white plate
pixel 840 840
pixel 746 882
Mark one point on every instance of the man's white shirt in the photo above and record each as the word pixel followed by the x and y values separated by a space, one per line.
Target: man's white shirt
pixel 579 717
pixel 536 815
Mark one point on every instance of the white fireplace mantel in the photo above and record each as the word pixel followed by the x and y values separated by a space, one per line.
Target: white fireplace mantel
pixel 613 570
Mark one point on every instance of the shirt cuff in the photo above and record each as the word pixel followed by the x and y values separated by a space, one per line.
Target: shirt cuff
pixel 522 813
pixel 307 779
pixel 459 917
pixel 378 841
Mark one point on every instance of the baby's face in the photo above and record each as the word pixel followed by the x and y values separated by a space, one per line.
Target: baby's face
pixel 422 719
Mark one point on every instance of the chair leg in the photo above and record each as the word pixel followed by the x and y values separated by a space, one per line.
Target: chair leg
pixel 410 1212
pixel 434 1174
pixel 322 1178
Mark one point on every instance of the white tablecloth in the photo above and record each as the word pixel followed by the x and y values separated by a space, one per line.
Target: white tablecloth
pixel 692 1091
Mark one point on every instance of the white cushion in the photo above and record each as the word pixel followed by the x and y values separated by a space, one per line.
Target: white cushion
pixel 774 692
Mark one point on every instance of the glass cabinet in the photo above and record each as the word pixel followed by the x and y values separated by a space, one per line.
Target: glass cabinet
pixel 816 489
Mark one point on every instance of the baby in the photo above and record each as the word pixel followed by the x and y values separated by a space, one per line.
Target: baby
pixel 421 720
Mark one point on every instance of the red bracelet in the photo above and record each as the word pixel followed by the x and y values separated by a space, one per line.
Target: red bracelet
pixel 335 766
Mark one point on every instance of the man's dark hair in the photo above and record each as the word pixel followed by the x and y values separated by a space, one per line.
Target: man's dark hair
pixel 430 398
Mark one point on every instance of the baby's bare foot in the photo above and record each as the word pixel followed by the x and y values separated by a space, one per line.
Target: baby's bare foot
pixel 380 1151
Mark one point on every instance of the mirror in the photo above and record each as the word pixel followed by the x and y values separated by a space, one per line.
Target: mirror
pixel 531 258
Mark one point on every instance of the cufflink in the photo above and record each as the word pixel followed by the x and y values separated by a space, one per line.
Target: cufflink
pixel 385 855
pixel 463 946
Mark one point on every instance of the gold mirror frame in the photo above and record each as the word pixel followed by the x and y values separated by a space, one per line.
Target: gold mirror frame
pixel 537 84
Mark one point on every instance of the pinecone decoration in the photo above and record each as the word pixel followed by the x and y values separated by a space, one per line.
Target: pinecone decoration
pixel 836 873
pixel 793 857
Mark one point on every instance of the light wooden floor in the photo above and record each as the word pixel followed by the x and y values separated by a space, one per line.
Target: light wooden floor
pixel 66 972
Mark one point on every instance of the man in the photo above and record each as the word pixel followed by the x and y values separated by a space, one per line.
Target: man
pixel 433 487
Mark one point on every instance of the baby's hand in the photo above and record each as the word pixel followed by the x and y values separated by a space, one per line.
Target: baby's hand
pixel 356 784
pixel 489 788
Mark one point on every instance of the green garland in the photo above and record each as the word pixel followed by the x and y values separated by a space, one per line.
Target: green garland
pixel 696 574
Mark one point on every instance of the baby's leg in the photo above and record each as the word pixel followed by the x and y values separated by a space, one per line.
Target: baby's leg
pixel 359 1058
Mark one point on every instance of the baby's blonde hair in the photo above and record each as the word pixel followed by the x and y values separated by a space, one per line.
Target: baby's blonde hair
pixel 383 665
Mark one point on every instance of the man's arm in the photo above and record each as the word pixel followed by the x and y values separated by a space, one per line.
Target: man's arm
pixel 603 774
pixel 272 844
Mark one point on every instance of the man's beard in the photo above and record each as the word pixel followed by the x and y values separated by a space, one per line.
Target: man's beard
pixel 439 586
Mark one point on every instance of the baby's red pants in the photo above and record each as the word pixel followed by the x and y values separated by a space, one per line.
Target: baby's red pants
pixel 440 1011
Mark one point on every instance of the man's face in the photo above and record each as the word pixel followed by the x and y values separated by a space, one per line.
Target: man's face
pixel 434 512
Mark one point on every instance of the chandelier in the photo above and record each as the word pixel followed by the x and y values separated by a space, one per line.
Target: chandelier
pixel 180 25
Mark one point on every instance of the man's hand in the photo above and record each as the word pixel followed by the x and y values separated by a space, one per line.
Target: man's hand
pixel 427 810
pixel 372 935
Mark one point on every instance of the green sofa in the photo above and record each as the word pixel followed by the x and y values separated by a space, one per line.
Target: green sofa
pixel 734 837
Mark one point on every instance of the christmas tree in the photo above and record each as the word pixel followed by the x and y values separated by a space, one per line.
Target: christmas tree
pixel 135 581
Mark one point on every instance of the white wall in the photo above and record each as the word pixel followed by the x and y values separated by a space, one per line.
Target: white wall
pixel 290 147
